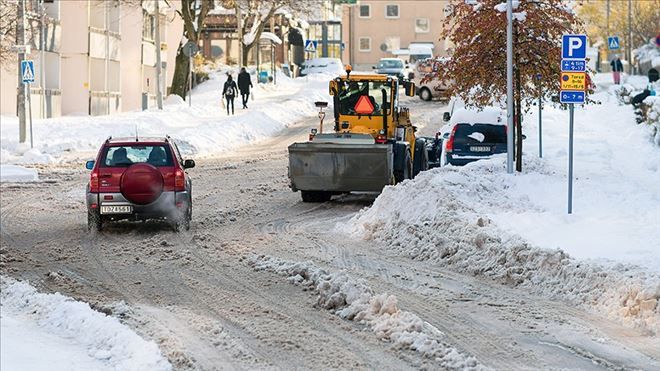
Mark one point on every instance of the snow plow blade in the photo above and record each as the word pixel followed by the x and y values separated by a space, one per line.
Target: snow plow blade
pixel 340 167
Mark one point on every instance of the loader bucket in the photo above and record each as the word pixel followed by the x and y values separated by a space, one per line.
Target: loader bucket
pixel 340 167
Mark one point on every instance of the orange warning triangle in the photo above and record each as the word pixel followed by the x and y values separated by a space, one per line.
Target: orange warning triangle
pixel 364 106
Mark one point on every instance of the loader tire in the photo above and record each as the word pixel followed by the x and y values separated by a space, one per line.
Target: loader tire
pixel 421 161
pixel 315 196
pixel 400 176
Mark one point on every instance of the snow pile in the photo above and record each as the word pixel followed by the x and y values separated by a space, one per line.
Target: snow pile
pixel 353 300
pixel 54 332
pixel 652 107
pixel 648 56
pixel 12 173
pixel 514 229
pixel 201 130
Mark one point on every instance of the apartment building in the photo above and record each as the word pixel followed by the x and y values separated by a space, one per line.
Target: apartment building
pixel 99 56
pixel 376 29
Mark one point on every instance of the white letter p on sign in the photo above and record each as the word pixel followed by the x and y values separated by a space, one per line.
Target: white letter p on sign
pixel 575 43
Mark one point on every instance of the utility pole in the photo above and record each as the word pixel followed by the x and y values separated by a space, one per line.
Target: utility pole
pixel 107 53
pixel 509 86
pixel 630 45
pixel 42 59
pixel 159 90
pixel 20 93
pixel 239 27
pixel 607 16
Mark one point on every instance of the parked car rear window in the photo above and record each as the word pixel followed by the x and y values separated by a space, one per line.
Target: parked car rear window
pixel 390 64
pixel 123 156
pixel 480 133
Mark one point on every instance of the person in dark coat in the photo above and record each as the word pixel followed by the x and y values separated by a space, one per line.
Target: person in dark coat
pixel 617 68
pixel 229 91
pixel 244 85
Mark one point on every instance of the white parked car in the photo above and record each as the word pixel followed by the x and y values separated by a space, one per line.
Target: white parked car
pixel 333 66
pixel 429 89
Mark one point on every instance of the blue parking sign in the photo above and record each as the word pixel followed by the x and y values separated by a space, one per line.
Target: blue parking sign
pixel 574 46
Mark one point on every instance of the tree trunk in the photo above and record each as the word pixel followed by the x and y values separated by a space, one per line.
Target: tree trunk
pixel 517 106
pixel 246 52
pixel 518 122
pixel 181 72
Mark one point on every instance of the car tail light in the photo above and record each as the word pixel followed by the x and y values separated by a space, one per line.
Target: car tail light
pixel 94 182
pixel 450 142
pixel 179 180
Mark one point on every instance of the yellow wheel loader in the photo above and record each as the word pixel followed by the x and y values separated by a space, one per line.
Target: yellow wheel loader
pixel 372 144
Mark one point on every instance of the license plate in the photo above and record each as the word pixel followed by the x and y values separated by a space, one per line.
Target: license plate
pixel 479 149
pixel 117 209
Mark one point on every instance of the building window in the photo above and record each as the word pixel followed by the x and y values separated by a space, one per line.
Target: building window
pixel 365 11
pixel 392 11
pixel 148 26
pixel 365 44
pixel 422 25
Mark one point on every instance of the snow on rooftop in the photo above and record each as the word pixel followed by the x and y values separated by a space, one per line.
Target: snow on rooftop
pixel 270 36
pixel 488 115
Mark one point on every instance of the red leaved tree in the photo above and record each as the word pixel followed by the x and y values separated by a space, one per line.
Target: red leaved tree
pixel 476 71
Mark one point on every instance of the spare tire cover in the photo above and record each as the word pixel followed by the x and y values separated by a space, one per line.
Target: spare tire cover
pixel 141 184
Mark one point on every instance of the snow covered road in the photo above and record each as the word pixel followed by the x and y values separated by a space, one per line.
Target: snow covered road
pixel 198 296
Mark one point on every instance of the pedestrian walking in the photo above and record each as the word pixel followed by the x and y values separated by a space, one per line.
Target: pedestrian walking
pixel 229 91
pixel 244 85
pixel 617 68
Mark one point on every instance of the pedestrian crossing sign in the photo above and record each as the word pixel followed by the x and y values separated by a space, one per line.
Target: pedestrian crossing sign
pixel 310 46
pixel 613 42
pixel 27 71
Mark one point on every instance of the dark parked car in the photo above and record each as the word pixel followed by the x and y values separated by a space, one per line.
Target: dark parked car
pixel 474 135
pixel 139 179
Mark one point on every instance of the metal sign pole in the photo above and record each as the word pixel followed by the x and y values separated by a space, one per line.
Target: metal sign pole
pixel 29 97
pixel 540 128
pixel 509 87
pixel 570 159
pixel 190 80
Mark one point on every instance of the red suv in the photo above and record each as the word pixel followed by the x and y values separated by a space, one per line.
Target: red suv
pixel 138 179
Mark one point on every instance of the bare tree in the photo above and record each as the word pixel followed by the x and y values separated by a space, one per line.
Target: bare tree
pixel 477 69
pixel 8 18
pixel 254 15
pixel 193 13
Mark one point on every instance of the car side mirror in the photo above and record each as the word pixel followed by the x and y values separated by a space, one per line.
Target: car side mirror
pixel 446 117
pixel 524 136
pixel 188 164
pixel 373 67
pixel 89 165
pixel 445 136
pixel 414 129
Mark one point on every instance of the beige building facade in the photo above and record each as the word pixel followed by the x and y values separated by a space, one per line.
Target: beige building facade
pixel 376 29
pixel 100 57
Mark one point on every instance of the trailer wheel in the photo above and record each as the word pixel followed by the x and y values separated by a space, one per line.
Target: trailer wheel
pixel 400 176
pixel 315 196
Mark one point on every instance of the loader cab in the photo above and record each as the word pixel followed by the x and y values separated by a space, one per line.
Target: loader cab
pixel 368 104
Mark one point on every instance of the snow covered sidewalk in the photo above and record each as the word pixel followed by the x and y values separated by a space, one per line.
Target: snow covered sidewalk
pixel 480 220
pixel 53 332
pixel 203 129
